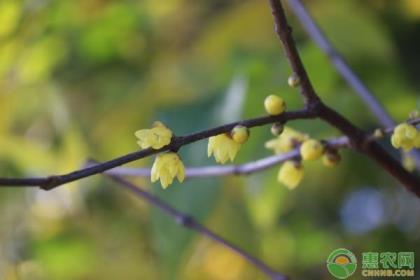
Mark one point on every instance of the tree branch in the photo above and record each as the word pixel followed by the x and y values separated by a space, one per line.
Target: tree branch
pixel 340 64
pixel 249 167
pixel 53 181
pixel 343 68
pixel 284 31
pixel 357 137
pixel 190 223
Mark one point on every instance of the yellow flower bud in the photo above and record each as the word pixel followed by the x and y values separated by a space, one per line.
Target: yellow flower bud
pixel 290 174
pixel 274 105
pixel 223 148
pixel 156 137
pixel 293 80
pixel 311 149
pixel 277 129
pixel 166 167
pixel 405 136
pixel 240 134
pixel 331 159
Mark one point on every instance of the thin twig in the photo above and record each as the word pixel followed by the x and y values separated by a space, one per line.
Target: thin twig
pixel 414 122
pixel 189 222
pixel 388 130
pixel 223 170
pixel 214 170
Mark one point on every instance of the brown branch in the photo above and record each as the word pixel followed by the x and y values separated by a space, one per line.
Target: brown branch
pixel 190 223
pixel 284 31
pixel 53 181
pixel 358 138
pixel 340 64
pixel 373 149
pixel 252 166
pixel 344 69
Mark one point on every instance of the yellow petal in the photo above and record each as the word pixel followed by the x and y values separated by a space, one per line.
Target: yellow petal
pixel 145 138
pixel 154 176
pixel 166 167
pixel 286 140
pixel 141 133
pixel 157 137
pixel 172 169
pixel 181 172
pixel 158 124
pixel 290 174
pixel 210 146
pixel 233 150
pixel 396 140
pixel 223 148
pixel 165 181
pixel 408 162
pixel 271 144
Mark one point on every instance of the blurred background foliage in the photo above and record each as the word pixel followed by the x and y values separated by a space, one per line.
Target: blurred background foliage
pixel 78 77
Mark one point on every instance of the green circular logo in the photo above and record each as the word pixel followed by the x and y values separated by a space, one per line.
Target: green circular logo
pixel 341 263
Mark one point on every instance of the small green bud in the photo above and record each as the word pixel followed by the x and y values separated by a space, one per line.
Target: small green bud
pixel 378 133
pixel 293 80
pixel 331 158
pixel 277 129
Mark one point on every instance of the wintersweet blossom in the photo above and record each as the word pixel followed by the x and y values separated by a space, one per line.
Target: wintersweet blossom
pixel 223 148
pixel 156 137
pixel 286 141
pixel 405 136
pixel 166 167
